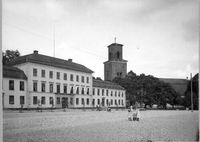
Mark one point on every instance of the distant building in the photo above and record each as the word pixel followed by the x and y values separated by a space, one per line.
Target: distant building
pixel 38 80
pixel 116 66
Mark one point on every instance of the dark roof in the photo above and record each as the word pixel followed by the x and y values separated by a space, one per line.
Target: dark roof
pixel 50 61
pixel 115 44
pixel 106 84
pixel 13 72
pixel 179 85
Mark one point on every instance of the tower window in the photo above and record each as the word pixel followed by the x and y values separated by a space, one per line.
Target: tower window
pixel 110 56
pixel 118 54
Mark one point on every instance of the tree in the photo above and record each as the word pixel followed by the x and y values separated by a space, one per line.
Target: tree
pixel 147 90
pixel 10 55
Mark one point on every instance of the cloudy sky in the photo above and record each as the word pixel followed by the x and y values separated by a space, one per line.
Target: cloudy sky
pixel 160 37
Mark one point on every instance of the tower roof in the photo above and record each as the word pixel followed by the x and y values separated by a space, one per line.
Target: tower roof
pixel 115 44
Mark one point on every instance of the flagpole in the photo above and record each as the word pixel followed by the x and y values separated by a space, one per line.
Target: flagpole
pixel 54 42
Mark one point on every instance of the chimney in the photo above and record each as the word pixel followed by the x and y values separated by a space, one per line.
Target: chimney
pixel 70 60
pixel 35 52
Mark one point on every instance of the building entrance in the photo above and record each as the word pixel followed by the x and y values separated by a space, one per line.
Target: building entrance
pixel 64 102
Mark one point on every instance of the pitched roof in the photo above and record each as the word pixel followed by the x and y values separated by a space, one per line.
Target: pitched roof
pixel 13 72
pixel 179 85
pixel 50 61
pixel 106 84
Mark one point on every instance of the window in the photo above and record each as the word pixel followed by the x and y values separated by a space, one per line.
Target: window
pixel 34 72
pixel 88 91
pixel 82 92
pixel 111 94
pixel 43 86
pixel 11 100
pixel 51 87
pixel 77 90
pixel 87 79
pixel 118 54
pixel 21 86
pixel 72 90
pixel 71 101
pixel 35 86
pixel 50 74
pixel 11 84
pixel 58 88
pixel 98 92
pixel 82 79
pixel 88 101
pixel 58 75
pixel 65 76
pixel 77 101
pixel 21 100
pixel 82 101
pixel 115 93
pixel 119 94
pixel 122 94
pixel 93 91
pixel 71 77
pixel 111 102
pixel 65 89
pixel 77 78
pixel 98 101
pixel 43 73
pixel 106 92
pixel 122 102
pixel 93 102
pixel 43 100
pixel 102 92
pixel 35 100
pixel 58 100
pixel 107 101
pixel 51 100
pixel 119 102
pixel 115 102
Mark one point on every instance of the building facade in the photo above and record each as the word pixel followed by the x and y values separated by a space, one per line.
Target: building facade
pixel 116 66
pixel 52 82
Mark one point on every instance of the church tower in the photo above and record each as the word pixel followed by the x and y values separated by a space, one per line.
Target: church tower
pixel 116 66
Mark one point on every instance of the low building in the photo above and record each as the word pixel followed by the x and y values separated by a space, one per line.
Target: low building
pixel 108 94
pixel 52 82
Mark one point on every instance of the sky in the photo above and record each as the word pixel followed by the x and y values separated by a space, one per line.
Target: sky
pixel 159 37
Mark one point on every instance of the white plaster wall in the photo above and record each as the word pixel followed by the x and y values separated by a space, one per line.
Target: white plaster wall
pixel 16 93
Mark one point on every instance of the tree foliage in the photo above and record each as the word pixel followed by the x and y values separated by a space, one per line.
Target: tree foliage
pixel 10 55
pixel 147 90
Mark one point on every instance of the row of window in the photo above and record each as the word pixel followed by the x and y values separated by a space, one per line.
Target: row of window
pixel 42 101
pixel 112 93
pixel 72 77
pixel 99 102
pixel 78 90
pixel 12 85
pixel 12 100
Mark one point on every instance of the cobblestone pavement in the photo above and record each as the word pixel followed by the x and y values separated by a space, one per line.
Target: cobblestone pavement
pixel 93 126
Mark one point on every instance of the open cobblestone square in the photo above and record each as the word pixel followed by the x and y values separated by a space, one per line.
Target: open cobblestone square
pixel 94 126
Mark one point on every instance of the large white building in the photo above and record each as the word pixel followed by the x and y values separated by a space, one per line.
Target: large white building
pixel 38 80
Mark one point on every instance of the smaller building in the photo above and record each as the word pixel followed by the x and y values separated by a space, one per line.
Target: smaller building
pixel 108 94
pixel 14 87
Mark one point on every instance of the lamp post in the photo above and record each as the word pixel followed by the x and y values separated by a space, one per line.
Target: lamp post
pixel 191 92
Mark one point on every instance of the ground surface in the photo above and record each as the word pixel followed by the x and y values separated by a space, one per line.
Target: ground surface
pixel 93 126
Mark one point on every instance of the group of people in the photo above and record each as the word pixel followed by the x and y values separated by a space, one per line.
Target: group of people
pixel 134 114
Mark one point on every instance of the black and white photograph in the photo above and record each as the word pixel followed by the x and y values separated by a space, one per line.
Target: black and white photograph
pixel 99 70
